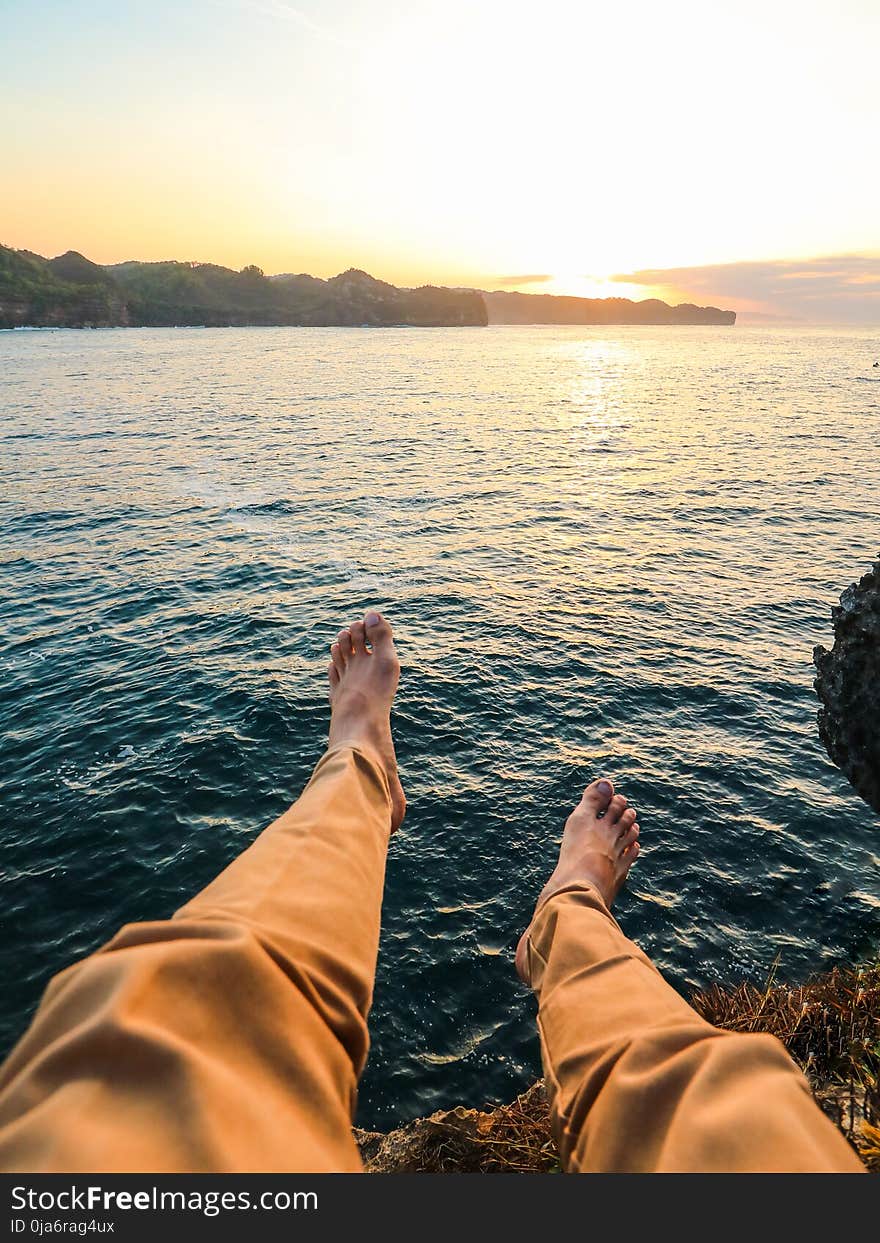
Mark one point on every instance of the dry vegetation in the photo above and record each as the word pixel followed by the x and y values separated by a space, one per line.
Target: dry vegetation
pixel 830 1025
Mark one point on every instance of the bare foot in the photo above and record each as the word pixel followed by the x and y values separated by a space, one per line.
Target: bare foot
pixel 599 846
pixel 363 678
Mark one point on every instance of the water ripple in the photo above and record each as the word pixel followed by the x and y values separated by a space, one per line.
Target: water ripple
pixel 603 550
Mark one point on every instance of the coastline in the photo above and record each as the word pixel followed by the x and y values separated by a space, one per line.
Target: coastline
pixel 70 291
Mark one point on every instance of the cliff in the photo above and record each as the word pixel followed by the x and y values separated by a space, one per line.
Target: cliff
pixel 529 308
pixel 848 686
pixel 72 292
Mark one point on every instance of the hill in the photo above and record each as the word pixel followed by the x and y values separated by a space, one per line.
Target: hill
pixel 72 292
pixel 67 292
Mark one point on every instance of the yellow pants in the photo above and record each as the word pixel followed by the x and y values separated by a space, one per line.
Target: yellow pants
pixel 231 1037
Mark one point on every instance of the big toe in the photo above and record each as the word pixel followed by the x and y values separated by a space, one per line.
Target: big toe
pixel 597 796
pixel 378 630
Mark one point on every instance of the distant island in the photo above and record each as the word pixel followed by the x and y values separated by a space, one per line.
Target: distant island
pixel 70 291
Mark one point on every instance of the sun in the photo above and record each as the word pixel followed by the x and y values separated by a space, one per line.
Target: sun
pixel 581 285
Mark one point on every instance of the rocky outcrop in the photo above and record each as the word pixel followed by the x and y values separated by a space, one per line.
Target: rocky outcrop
pixel 848 686
pixel 527 308
pixel 509 1139
pixel 72 292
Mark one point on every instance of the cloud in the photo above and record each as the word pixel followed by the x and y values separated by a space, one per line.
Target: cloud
pixel 831 287
pixel 498 282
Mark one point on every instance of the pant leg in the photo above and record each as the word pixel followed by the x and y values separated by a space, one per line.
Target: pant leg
pixel 639 1082
pixel 230 1037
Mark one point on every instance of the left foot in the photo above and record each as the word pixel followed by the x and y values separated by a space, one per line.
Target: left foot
pixel 363 678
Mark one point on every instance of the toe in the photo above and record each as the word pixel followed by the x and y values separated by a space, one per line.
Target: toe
pixel 627 820
pixel 345 645
pixel 629 838
pixel 632 852
pixel 598 795
pixel 338 660
pixel 332 675
pixel 616 807
pixel 359 637
pixel 378 630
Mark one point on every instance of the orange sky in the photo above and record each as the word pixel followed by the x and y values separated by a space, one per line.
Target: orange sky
pixel 446 142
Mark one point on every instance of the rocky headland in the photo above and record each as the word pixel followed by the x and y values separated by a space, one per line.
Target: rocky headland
pixel 70 291
pixel 528 308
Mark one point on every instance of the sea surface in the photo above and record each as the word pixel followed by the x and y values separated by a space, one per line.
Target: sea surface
pixel 604 551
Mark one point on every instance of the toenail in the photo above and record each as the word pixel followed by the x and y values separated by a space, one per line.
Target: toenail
pixel 604 787
pixel 372 619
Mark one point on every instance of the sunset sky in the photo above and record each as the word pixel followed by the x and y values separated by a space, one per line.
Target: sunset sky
pixel 725 153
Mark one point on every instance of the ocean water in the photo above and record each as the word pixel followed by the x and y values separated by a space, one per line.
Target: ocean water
pixel 603 550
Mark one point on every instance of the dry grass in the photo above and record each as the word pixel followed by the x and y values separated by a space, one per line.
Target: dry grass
pixel 831 1027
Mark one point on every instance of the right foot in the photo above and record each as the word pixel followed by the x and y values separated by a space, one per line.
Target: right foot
pixel 599 846
pixel 363 678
